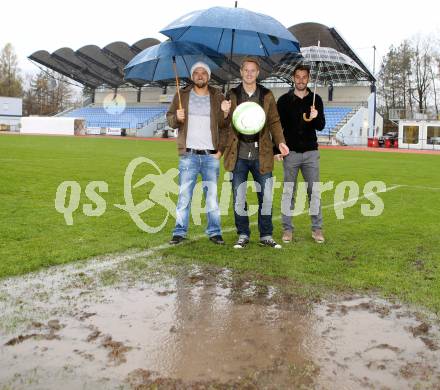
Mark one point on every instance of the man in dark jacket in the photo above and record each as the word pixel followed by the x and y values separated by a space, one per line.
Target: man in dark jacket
pixel 200 144
pixel 300 119
pixel 253 154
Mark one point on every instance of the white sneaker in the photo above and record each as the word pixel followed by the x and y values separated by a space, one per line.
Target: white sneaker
pixel 270 242
pixel 241 242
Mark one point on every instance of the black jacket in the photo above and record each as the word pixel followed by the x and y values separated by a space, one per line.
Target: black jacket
pixel 300 135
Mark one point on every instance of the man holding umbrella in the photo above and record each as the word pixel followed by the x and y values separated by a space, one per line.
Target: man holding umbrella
pixel 198 114
pixel 253 153
pixel 301 114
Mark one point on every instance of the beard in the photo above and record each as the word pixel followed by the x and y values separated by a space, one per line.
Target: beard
pixel 201 83
pixel 301 87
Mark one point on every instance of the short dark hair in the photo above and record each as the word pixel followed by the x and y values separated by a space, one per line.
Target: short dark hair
pixel 301 67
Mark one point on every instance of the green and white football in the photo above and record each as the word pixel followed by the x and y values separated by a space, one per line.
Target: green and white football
pixel 248 118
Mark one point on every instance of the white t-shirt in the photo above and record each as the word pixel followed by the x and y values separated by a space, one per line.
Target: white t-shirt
pixel 199 122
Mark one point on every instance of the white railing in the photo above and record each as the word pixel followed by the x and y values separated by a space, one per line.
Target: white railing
pixel 396 114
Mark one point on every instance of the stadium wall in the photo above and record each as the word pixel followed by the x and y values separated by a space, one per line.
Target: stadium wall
pixel 348 94
pixel 10 113
pixel 355 131
pixel 11 106
pixel 342 95
pixel 149 96
pixel 48 125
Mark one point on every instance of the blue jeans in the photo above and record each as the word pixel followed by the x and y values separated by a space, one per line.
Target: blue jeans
pixel 190 166
pixel 264 185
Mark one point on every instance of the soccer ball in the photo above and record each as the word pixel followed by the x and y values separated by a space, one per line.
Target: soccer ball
pixel 248 118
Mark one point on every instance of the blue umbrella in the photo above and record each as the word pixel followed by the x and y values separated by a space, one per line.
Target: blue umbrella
pixel 170 60
pixel 233 31
pixel 166 60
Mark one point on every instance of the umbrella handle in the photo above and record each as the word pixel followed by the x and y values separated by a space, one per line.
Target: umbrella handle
pixel 305 117
pixel 313 105
pixel 177 83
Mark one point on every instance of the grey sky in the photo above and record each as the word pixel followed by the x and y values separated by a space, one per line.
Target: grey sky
pixel 49 24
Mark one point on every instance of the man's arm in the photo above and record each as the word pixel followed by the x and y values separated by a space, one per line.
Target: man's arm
pixel 275 127
pixel 273 122
pixel 223 123
pixel 281 106
pixel 319 121
pixel 171 113
pixel 226 105
pixel 224 111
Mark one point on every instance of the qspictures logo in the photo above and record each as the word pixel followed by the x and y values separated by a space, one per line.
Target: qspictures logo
pixel 163 188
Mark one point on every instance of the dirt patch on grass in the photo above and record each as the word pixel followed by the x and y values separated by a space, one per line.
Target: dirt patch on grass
pixel 205 328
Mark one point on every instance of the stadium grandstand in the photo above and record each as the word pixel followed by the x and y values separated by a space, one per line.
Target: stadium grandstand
pixel 138 109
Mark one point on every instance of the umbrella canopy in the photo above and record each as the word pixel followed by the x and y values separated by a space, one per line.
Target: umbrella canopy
pixel 156 63
pixel 328 66
pixel 233 31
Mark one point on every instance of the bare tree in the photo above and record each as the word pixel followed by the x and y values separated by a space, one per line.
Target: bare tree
pixel 421 71
pixel 435 75
pixel 393 79
pixel 410 75
pixel 47 94
pixel 406 54
pixel 10 79
pixel 435 72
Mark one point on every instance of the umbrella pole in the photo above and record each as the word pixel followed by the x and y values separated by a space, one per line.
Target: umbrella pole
pixel 177 82
pixel 230 58
pixel 314 90
pixel 313 104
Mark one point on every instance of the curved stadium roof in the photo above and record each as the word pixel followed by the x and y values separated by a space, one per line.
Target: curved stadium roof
pixel 309 33
pixel 93 67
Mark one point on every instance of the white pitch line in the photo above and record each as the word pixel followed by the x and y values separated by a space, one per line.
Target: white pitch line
pixel 420 187
pixel 231 229
pixel 107 260
pixel 151 251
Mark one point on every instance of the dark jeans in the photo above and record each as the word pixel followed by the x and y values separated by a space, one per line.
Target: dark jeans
pixel 264 185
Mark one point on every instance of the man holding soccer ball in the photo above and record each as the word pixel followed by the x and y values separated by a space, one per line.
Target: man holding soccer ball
pixel 255 128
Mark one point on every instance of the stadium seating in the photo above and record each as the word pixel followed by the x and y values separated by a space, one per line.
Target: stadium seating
pixel 129 118
pixel 333 116
pixel 137 117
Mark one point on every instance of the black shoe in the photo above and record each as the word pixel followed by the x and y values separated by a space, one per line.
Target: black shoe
pixel 217 240
pixel 241 242
pixel 176 240
pixel 270 242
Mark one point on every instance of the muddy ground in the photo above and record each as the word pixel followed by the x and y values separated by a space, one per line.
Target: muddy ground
pixel 134 323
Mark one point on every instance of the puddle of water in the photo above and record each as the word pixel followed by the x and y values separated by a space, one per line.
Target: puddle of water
pixel 371 343
pixel 204 327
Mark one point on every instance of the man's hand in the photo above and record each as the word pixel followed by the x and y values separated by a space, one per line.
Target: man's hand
pixel 180 114
pixel 226 107
pixel 217 155
pixel 313 112
pixel 284 149
pixel 278 157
